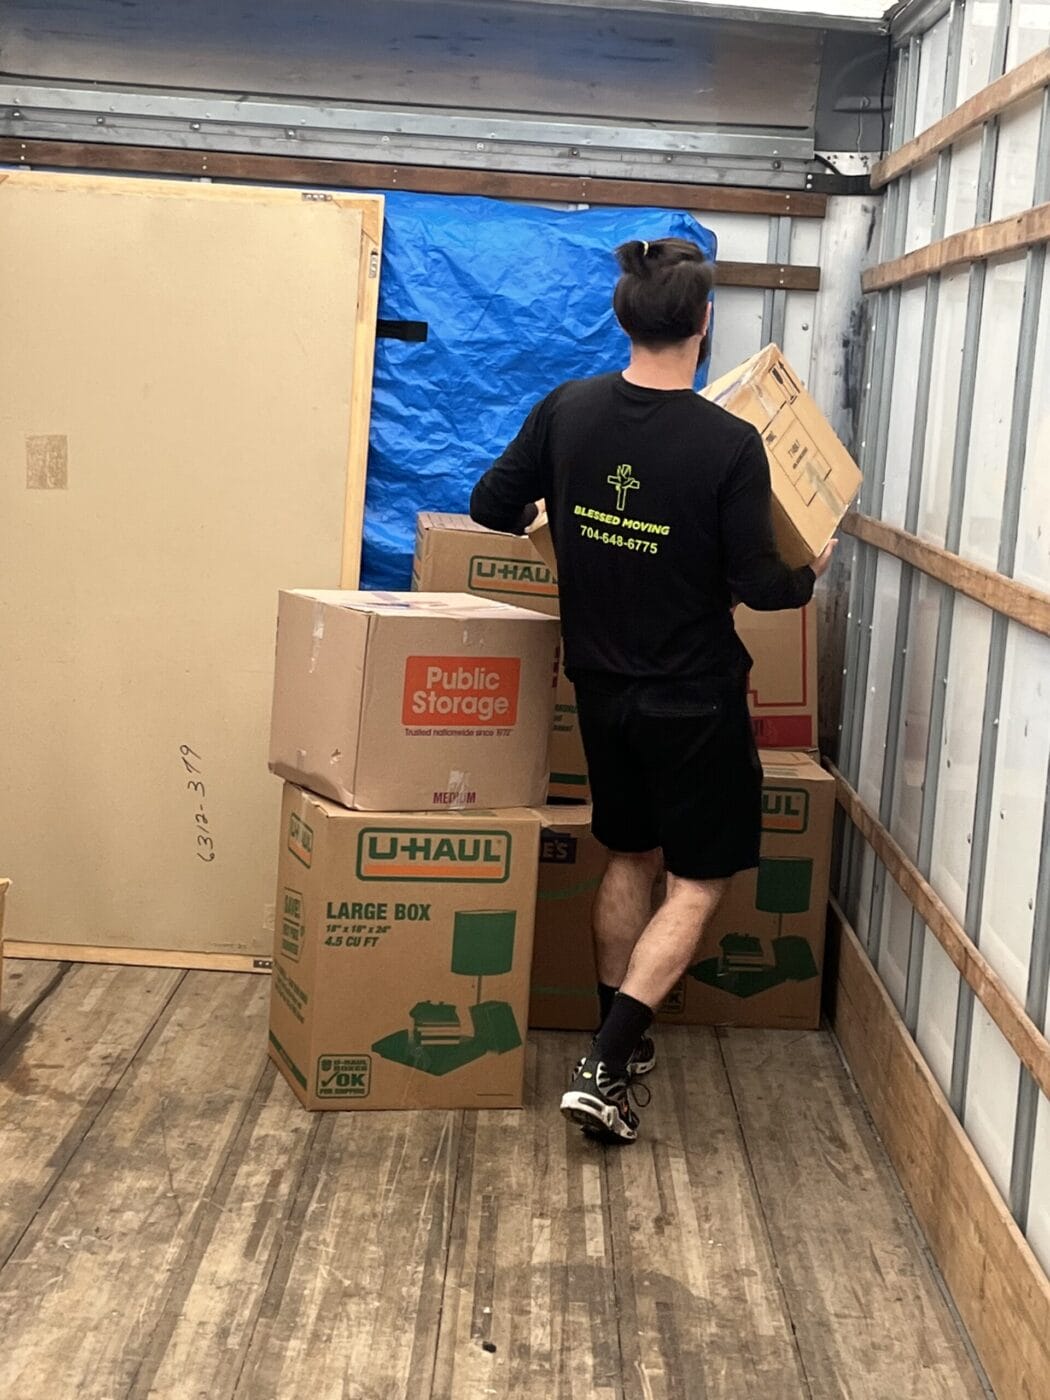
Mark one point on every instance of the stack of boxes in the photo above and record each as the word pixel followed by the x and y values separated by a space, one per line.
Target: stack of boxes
pixel 427 828
pixel 412 734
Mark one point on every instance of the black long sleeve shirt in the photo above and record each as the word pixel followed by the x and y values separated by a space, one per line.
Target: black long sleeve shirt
pixel 660 510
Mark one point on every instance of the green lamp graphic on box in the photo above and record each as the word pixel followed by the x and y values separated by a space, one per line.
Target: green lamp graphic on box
pixel 439 1041
pixel 745 966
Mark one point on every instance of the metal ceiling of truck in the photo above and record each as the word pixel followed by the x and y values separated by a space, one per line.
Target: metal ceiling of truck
pixel 575 86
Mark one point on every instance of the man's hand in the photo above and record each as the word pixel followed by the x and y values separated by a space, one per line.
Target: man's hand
pixel 820 566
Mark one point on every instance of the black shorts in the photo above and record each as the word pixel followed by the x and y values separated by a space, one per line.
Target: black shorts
pixel 675 767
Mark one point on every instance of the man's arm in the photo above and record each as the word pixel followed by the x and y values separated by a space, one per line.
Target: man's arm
pixel 757 575
pixel 504 497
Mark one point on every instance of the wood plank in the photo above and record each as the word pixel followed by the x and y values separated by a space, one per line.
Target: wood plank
pixel 103 1254
pixel 996 1282
pixel 798 278
pixel 26 986
pixel 353 1302
pixel 200 1341
pixel 530 1268
pixel 1029 606
pixel 361 392
pixel 702 1311
pixel 349 174
pixel 1010 235
pixel 869 1316
pixel 137 957
pixel 1022 1034
pixel 57 1078
pixel 1012 87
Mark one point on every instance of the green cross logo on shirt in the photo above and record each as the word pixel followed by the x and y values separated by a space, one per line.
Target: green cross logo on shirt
pixel 624 480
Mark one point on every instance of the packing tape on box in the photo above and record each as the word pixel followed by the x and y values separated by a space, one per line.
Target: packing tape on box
pixel 317 635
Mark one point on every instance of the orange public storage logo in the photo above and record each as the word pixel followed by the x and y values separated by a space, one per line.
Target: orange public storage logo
pixel 458 692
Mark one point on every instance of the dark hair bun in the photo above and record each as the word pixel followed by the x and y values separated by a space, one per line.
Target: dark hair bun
pixel 662 295
pixel 632 257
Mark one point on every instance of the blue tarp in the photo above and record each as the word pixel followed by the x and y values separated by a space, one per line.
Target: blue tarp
pixel 516 299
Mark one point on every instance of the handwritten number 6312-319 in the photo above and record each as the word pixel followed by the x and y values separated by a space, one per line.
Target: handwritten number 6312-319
pixel 200 817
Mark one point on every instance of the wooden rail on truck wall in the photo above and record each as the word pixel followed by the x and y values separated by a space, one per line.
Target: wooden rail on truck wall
pixel 1011 88
pixel 1011 235
pixel 1017 601
pixel 1019 1030
pixel 349 174
pixel 353 174
pixel 994 1278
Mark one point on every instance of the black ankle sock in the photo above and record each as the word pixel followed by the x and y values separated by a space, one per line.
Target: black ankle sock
pixel 627 1021
pixel 606 997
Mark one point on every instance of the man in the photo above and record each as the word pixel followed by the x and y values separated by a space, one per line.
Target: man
pixel 660 510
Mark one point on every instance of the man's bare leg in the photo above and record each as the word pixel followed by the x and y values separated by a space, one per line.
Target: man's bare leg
pixel 622 909
pixel 670 939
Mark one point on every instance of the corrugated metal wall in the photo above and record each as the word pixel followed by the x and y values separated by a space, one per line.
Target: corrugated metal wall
pixel 946 722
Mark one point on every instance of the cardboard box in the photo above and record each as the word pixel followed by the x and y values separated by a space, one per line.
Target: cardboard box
pixel 454 555
pixel 401 956
pixel 782 687
pixel 814 478
pixel 572 863
pixel 760 962
pixel 761 959
pixel 413 701
pixel 782 690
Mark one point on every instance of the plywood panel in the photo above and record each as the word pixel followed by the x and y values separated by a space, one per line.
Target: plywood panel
pixel 1032 564
pixel 1029 31
pixel 179 383
pixel 938 999
pixel 944 405
pixel 1016 155
pixel 978 40
pixel 880 673
pixel 1039 1208
pixel 992 407
pixel 1018 796
pixel 1001 1292
pixel 991 1098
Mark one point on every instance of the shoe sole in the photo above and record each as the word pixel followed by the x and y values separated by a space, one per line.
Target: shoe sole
pixel 591 1114
pixel 637 1068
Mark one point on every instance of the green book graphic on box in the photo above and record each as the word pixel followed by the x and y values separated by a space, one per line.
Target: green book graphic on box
pixel 744 967
pixel 437 1041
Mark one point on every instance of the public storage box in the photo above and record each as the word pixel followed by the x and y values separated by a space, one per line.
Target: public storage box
pixel 782 689
pixel 413 701
pixel 401 956
pixel 572 864
pixel 761 957
pixel 814 477
pixel 454 555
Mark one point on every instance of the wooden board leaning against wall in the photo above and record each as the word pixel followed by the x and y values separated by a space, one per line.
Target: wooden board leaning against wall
pixel 184 430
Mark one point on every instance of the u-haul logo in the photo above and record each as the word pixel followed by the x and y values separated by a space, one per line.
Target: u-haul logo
pixel 453 691
pixel 456 855
pixel 300 840
pixel 785 809
pixel 490 574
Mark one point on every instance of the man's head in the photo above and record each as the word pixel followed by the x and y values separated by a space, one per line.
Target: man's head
pixel 662 297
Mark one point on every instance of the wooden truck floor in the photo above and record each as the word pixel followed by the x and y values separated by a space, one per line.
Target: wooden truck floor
pixel 173 1224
